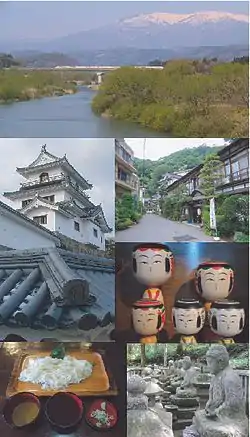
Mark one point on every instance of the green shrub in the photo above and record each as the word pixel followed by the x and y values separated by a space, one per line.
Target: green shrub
pixel 187 98
pixel 239 237
pixel 127 211
pixel 236 216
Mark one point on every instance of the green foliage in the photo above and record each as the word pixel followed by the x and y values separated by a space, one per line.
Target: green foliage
pixel 209 174
pixel 239 354
pixel 185 99
pixel 172 205
pixel 239 237
pixel 18 85
pixel 7 61
pixel 150 172
pixel 233 216
pixel 127 211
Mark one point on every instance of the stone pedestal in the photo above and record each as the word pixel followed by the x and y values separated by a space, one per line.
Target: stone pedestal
pixel 187 406
pixel 203 392
pixel 173 409
pixel 206 427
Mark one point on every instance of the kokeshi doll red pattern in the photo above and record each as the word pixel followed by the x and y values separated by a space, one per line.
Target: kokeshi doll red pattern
pixel 188 319
pixel 154 294
pixel 148 318
pixel 153 265
pixel 226 319
pixel 214 281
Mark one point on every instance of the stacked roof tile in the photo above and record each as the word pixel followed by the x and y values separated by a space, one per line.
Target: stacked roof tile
pixel 53 288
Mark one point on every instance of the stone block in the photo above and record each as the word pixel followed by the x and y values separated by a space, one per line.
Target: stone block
pixel 186 413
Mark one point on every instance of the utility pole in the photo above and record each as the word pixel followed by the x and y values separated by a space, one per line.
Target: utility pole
pixel 143 170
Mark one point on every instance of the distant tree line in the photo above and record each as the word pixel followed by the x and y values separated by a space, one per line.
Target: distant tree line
pixel 7 61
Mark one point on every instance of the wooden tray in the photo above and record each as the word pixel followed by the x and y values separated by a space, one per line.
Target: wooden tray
pixel 96 385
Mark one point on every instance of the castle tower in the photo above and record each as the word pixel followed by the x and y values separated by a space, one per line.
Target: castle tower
pixel 54 195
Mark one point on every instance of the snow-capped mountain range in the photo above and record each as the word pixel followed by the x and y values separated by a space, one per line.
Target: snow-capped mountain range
pixel 153 31
pixel 198 18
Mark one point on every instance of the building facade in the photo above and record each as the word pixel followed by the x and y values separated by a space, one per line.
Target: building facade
pixel 19 232
pixel 234 179
pixel 54 196
pixel 126 178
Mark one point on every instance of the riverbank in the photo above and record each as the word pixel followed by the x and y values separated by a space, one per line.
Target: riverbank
pixel 68 116
pixel 18 86
pixel 186 99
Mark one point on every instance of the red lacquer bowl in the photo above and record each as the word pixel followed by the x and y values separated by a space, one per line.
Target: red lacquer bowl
pixel 102 415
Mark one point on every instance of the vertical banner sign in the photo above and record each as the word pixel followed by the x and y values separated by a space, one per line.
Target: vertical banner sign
pixel 212 214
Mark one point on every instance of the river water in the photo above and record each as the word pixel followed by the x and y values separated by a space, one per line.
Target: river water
pixel 67 116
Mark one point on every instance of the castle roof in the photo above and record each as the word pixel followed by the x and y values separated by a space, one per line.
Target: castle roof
pixel 54 288
pixel 46 160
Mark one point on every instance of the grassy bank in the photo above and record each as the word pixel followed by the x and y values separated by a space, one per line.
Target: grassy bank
pixel 17 85
pixel 185 99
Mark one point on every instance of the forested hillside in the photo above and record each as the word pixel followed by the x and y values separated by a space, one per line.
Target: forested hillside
pixel 185 99
pixel 150 172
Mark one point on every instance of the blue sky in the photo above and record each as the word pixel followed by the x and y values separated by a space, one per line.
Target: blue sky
pixel 44 20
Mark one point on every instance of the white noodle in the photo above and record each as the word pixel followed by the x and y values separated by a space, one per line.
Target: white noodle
pixel 52 373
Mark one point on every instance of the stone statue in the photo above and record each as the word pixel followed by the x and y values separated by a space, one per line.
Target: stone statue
pixel 187 384
pixel 180 372
pixel 141 420
pixel 146 371
pixel 224 414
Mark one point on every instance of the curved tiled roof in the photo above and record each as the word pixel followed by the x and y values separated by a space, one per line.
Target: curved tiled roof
pixel 53 288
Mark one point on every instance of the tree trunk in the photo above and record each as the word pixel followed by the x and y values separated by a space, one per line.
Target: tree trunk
pixel 165 355
pixel 143 355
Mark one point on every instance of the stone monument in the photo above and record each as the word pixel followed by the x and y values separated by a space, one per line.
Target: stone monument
pixel 141 420
pixel 152 391
pixel 224 414
pixel 186 398
pixel 187 387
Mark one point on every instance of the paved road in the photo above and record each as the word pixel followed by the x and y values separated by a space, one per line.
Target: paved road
pixel 155 228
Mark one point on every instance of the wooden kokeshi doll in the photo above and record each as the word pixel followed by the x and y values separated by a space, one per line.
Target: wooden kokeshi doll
pixel 214 281
pixel 188 319
pixel 148 317
pixel 226 319
pixel 154 294
pixel 153 265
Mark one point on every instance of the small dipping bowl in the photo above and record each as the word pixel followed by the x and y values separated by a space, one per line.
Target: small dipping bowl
pixel 21 410
pixel 64 411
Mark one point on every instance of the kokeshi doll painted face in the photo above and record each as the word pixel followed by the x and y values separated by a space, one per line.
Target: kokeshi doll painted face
pixel 154 294
pixel 148 317
pixel 153 264
pixel 226 318
pixel 188 316
pixel 214 280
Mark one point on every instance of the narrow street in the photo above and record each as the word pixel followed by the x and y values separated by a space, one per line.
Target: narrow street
pixel 155 228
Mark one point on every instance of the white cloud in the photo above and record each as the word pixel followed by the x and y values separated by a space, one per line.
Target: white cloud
pixel 156 148
pixel 92 158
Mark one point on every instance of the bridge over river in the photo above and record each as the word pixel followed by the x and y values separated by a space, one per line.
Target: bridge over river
pixel 92 68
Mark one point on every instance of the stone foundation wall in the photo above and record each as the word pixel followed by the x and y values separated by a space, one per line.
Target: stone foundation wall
pixel 89 249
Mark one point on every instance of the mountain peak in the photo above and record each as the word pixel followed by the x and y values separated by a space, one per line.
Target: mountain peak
pixel 195 18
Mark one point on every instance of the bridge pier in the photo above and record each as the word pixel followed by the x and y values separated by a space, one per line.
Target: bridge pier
pixel 100 78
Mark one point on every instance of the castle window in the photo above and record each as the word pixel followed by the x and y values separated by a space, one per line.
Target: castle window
pixel 41 219
pixel 77 226
pixel 44 177
pixel 26 202
pixel 50 198
pixel 95 233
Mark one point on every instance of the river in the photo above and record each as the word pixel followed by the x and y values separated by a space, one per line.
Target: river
pixel 67 116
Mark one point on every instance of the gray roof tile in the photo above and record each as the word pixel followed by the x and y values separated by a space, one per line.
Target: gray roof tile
pixel 54 288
